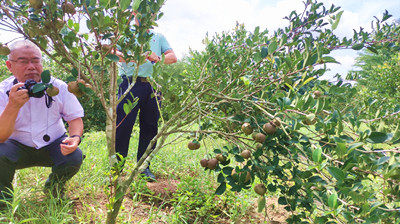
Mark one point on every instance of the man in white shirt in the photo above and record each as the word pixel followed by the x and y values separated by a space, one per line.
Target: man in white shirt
pixel 32 131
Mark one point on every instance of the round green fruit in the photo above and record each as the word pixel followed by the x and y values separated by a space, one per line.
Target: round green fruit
pixel 53 91
pixel 260 189
pixel 220 157
pixel 4 50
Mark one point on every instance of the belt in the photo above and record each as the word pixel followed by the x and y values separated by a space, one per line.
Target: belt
pixel 142 79
pixel 138 79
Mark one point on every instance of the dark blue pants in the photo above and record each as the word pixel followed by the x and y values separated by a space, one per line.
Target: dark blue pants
pixel 14 155
pixel 148 116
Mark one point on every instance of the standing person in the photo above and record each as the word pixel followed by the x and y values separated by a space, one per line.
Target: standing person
pixel 148 104
pixel 32 130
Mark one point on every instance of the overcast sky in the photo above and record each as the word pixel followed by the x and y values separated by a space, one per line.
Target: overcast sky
pixel 186 22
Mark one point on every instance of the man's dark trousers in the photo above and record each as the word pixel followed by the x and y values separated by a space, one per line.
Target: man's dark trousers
pixel 148 116
pixel 14 155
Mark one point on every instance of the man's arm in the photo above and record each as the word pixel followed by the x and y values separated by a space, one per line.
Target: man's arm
pixel 170 57
pixel 70 144
pixel 16 99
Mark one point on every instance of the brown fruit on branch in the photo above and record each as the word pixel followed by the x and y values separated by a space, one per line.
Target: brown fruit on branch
pixel 193 145
pixel 310 119
pixel 68 7
pixel 260 189
pixel 317 94
pixel 36 4
pixel 74 89
pixel 259 145
pixel 277 122
pixel 269 128
pixel 260 137
pixel 245 154
pixel 220 157
pixel 87 85
pixel 59 24
pixel 248 176
pixel 204 162
pixel 53 91
pixel 247 129
pixel 212 164
pixel 4 50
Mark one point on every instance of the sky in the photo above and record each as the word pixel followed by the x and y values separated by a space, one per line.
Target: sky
pixel 186 22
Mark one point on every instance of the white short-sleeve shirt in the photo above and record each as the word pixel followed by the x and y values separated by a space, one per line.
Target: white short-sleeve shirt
pixel 35 120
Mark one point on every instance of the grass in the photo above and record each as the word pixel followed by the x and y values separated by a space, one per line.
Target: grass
pixel 184 192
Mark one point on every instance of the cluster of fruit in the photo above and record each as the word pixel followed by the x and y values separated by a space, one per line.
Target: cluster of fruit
pixel 66 6
pixel 78 87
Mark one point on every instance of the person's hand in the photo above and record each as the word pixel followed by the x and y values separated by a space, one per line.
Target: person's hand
pixel 17 98
pixel 153 57
pixel 69 145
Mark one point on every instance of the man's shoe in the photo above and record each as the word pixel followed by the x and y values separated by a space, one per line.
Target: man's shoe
pixel 149 175
pixel 54 190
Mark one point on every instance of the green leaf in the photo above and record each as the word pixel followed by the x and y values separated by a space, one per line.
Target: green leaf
pixel 136 5
pixel 282 200
pixel 357 46
pixel 316 156
pixel 337 20
pixel 104 3
pixel 320 105
pixel 264 52
pixel 127 108
pixel 341 149
pixel 307 81
pixel 272 47
pixel 332 200
pixel 329 59
pixel 373 50
pixel 113 57
pixel 337 173
pixel 39 87
pixel 221 189
pixel 354 146
pixel 124 4
pixel 261 203
pixel 119 195
pixel 378 137
pixel 45 76
pixel 220 178
pixel 396 135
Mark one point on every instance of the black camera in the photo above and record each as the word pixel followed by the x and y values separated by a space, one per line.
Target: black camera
pixel 28 85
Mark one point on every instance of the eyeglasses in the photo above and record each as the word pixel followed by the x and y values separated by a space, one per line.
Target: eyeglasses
pixel 25 61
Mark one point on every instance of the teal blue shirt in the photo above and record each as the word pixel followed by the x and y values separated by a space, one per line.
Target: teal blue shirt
pixel 158 45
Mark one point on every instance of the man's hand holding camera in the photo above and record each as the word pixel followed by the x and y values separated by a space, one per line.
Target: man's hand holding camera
pixel 18 97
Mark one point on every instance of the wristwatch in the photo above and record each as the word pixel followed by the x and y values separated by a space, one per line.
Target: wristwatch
pixel 80 138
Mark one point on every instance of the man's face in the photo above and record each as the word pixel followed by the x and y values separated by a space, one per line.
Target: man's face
pixel 25 63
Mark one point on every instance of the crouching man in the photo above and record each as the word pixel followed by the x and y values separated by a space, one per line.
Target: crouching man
pixel 32 131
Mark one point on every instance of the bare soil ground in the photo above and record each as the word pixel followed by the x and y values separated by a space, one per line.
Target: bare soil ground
pixel 162 191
